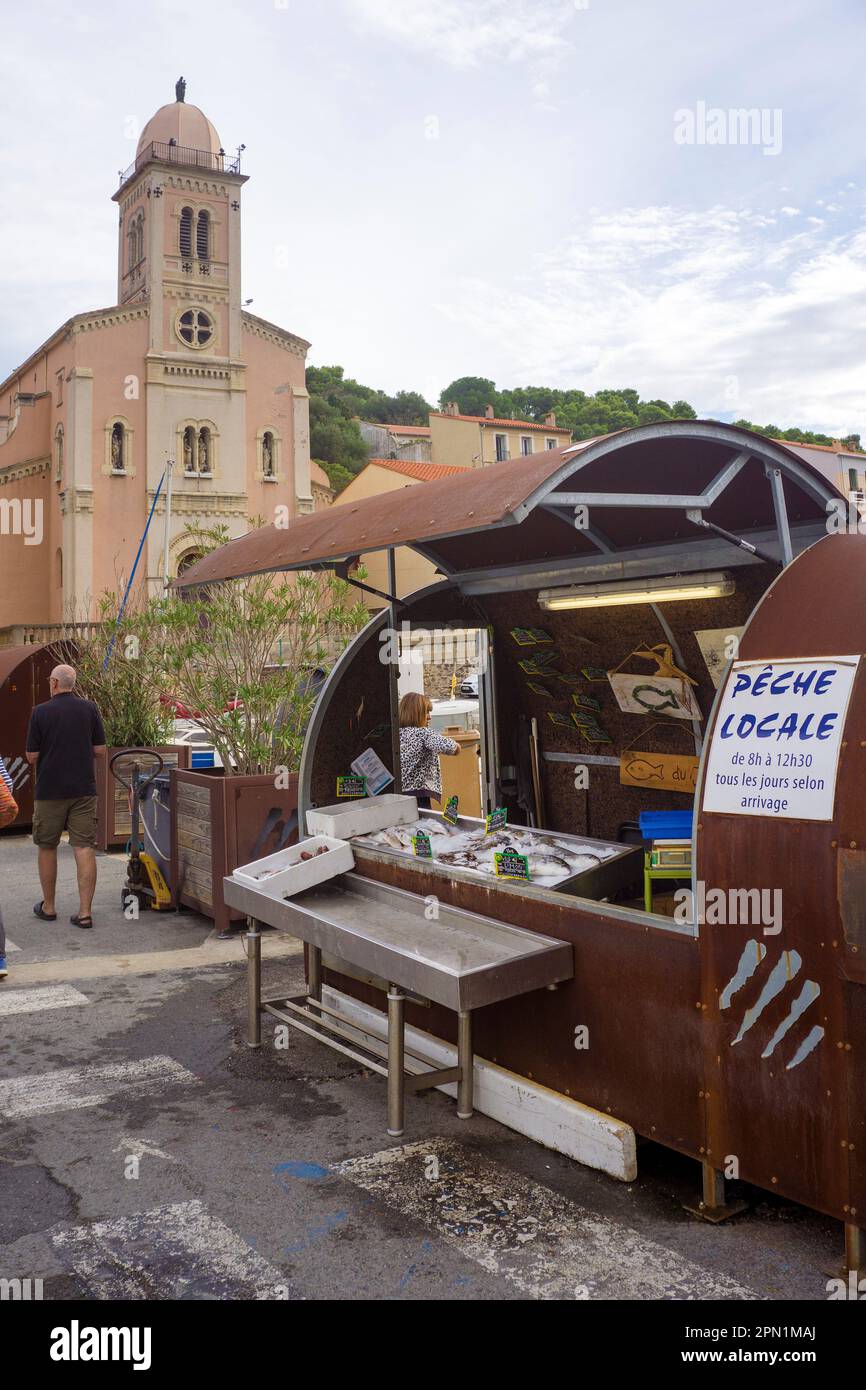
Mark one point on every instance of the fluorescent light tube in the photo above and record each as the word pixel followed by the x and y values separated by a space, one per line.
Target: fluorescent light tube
pixel 714 584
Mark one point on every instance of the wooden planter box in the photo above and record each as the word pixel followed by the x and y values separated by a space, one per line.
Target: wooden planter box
pixel 113 815
pixel 219 822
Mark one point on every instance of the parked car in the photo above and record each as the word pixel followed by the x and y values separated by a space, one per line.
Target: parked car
pixel 468 687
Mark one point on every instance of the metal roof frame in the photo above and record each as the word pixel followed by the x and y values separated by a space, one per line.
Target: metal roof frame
pixel 464 506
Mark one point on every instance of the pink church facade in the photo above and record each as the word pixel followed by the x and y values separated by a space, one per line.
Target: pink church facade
pixel 175 370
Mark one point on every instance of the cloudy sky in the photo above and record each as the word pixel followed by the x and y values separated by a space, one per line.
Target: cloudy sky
pixel 508 188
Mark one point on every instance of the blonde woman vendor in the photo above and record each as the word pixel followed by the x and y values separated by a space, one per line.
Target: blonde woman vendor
pixel 420 747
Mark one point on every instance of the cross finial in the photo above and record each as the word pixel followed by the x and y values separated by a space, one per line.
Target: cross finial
pixel 180 89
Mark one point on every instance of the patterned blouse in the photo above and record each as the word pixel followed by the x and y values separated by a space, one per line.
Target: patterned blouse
pixel 419 759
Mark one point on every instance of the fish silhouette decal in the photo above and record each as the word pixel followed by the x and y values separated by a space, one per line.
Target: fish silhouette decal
pixel 778 979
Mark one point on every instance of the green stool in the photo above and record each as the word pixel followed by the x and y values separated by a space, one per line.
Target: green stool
pixel 650 872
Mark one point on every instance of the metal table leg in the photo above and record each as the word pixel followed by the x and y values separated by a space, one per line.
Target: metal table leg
pixel 855 1249
pixel 254 983
pixel 714 1206
pixel 466 1063
pixel 396 1081
pixel 314 970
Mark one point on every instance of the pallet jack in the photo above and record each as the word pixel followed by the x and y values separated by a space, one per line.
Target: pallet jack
pixel 144 879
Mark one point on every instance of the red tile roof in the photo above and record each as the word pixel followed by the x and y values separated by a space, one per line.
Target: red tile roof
pixel 510 424
pixel 421 472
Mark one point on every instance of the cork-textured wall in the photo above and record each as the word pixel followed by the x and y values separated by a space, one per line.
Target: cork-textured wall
pixel 358 716
pixel 603 638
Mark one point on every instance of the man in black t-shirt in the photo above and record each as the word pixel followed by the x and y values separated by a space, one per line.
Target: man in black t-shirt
pixel 63 736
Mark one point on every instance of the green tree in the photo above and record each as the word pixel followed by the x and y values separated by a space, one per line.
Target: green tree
pixel 473 394
pixel 653 412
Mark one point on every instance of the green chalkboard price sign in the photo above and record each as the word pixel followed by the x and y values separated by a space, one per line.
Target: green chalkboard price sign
pixel 497 820
pixel 451 814
pixel 509 864
pixel 351 785
pixel 421 845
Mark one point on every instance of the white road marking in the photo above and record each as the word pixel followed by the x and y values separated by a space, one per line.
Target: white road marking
pixel 74 1088
pixel 173 1252
pixel 10 946
pixel 31 1001
pixel 139 1148
pixel 213 952
pixel 545 1244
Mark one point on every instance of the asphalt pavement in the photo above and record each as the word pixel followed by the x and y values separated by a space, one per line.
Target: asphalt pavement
pixel 146 1152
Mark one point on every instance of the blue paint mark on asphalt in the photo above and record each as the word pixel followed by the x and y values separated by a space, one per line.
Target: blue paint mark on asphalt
pixel 297 1168
pixel 316 1233
pixel 410 1274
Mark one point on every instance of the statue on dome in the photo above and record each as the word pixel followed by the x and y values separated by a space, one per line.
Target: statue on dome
pixel 180 89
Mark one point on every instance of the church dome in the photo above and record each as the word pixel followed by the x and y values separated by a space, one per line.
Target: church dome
pixel 183 124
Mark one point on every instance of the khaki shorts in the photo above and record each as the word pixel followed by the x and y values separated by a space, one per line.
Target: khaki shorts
pixel 77 814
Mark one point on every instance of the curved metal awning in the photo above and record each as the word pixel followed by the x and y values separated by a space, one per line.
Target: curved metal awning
pixel 646 500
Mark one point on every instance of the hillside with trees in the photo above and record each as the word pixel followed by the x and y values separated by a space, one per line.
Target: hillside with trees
pixel 337 402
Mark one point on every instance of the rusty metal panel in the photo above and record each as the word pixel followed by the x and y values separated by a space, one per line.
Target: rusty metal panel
pixel 851 889
pixel 635 990
pixel 491 517
pixel 781 1067
pixel 24 673
pixel 855 1136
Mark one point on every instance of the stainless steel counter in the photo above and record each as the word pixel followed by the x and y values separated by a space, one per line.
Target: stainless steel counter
pixel 461 960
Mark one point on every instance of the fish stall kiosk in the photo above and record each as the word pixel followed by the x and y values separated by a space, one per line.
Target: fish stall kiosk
pixel 658 926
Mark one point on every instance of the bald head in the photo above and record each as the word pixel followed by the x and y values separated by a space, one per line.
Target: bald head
pixel 62 678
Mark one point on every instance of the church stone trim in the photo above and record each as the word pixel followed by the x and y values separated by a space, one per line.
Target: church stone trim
pixel 107 318
pixel 202 503
pixel 262 329
pixel 14 472
pixel 76 499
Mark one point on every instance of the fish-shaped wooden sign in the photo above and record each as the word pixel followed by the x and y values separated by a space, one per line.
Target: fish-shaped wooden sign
pixel 669 772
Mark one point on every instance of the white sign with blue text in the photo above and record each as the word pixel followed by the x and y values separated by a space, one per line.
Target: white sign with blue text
pixel 775 745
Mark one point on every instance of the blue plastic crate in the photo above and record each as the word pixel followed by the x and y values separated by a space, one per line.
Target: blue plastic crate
pixel 203 759
pixel 665 825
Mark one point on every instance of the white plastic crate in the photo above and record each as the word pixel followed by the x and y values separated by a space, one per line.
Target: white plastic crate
pixel 362 817
pixel 282 874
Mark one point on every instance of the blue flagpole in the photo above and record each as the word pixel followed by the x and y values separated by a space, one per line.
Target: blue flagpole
pixel 132 575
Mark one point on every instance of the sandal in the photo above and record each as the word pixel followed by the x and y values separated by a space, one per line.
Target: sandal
pixel 44 916
pixel 78 921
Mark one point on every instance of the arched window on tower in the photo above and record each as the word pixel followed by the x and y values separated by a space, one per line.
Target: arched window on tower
pixel 58 453
pixel 202 236
pixel 269 462
pixel 205 450
pixel 186 232
pixel 60 569
pixel 190 457
pixel 136 240
pixel 118 448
